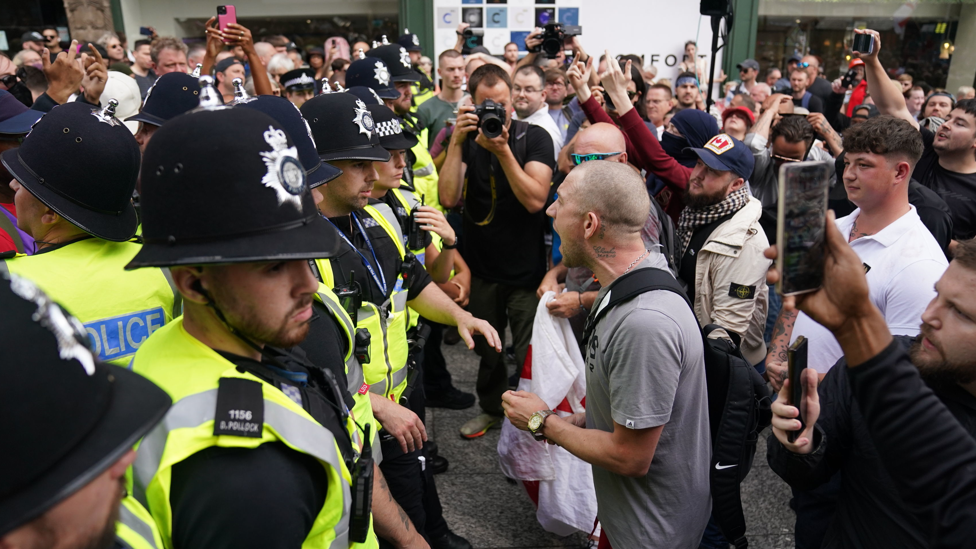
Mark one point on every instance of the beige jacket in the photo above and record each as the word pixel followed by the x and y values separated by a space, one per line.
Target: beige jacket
pixel 730 280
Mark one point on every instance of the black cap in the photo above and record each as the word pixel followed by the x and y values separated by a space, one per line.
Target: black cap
pixel 226 186
pixel 390 129
pixel 343 128
pixel 372 73
pixel 83 165
pixel 32 36
pixel 368 95
pixel 67 417
pixel 171 95
pixel 398 61
pixel 285 113
pixel 298 79
pixel 227 63
pixel 410 41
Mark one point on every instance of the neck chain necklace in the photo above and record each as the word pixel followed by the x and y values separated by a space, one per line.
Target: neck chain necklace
pixel 635 262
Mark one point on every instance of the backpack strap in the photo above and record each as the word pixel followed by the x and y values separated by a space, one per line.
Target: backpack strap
pixel 805 102
pixel 627 287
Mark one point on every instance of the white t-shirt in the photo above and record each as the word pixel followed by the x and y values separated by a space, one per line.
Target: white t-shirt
pixel 903 262
pixel 542 119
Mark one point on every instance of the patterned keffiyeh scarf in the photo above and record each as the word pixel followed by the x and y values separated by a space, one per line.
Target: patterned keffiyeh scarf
pixel 692 219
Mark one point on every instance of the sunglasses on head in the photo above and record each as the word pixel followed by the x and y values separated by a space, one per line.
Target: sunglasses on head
pixel 580 158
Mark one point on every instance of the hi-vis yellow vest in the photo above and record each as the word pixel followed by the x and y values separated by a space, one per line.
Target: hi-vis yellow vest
pixel 120 309
pixel 191 372
pixel 362 410
pixel 135 528
pixel 425 174
pixel 386 372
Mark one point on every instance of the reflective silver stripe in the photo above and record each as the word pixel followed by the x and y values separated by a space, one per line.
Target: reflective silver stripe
pixel 387 214
pixel 339 314
pixel 425 171
pixel 354 375
pixel 3 266
pixel 397 378
pixel 177 296
pixel 400 300
pixel 195 410
pixel 137 525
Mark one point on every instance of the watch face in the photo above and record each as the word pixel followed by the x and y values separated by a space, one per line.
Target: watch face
pixel 535 422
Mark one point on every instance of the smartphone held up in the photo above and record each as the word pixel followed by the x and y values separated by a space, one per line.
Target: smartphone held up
pixel 801 226
pixel 226 15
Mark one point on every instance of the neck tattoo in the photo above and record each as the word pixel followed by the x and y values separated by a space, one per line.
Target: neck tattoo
pixel 636 261
pixel 855 234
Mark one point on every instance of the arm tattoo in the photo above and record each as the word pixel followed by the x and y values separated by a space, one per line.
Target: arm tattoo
pixel 404 518
pixel 604 253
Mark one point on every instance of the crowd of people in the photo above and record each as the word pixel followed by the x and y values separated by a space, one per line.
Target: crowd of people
pixel 229 271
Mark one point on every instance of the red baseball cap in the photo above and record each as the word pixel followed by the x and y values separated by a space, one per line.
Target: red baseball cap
pixel 746 113
pixel 856 62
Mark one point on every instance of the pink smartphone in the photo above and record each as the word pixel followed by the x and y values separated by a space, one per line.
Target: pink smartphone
pixel 225 16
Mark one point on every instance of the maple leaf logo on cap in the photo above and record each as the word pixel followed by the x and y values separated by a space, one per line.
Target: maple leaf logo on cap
pixel 720 144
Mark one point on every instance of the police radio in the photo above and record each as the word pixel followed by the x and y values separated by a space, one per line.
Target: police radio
pixel 361 343
pixel 362 491
pixel 415 235
pixel 350 297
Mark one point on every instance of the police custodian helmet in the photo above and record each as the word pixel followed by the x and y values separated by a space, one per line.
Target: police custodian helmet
pixel 227 186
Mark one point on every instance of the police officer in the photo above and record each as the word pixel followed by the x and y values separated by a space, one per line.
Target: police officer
pixel 421 174
pixel 170 96
pixel 316 345
pixel 299 85
pixel 260 410
pixel 371 72
pixel 430 239
pixel 390 279
pixel 73 178
pixel 423 90
pixel 71 421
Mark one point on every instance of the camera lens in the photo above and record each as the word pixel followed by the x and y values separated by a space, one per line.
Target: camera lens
pixel 491 125
pixel 551 47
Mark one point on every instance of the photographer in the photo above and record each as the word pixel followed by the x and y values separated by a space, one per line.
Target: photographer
pixel 504 181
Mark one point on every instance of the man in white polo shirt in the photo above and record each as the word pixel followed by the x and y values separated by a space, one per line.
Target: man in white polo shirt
pixel 902 261
pixel 529 102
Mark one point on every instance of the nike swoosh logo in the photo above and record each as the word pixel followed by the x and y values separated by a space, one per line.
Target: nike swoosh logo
pixel 719 466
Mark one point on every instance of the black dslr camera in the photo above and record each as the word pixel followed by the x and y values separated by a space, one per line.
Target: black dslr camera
pixel 491 118
pixel 554 36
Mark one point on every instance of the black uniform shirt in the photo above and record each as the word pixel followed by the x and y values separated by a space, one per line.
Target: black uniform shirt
pixel 386 253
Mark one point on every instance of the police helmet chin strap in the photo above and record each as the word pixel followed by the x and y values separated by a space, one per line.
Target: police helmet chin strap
pixel 343 413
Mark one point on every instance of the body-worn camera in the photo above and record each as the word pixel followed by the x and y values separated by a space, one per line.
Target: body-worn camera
pixel 350 297
pixel 491 118
pixel 554 36
pixel 415 235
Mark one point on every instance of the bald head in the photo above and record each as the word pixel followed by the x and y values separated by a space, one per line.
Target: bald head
pixel 601 138
pixel 813 67
pixel 611 190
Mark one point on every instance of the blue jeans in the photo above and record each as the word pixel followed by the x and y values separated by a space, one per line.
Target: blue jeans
pixel 712 538
pixel 772 313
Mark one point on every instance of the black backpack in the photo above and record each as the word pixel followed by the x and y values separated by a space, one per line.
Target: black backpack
pixel 738 402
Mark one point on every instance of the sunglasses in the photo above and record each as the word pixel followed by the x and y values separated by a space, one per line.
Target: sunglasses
pixel 50 36
pixel 803 65
pixel 784 158
pixel 9 80
pixel 580 158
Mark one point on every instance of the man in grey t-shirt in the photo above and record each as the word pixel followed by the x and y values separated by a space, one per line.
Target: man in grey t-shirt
pixel 645 430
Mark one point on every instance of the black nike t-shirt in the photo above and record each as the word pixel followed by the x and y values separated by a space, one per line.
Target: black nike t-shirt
pixel 957 189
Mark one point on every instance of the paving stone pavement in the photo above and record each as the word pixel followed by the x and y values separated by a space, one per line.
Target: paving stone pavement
pixel 484 507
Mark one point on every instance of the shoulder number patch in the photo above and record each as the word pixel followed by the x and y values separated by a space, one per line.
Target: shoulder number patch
pixel 240 408
pixel 742 292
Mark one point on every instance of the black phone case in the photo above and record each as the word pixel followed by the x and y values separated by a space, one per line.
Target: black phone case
pixel 797 362
pixel 863 43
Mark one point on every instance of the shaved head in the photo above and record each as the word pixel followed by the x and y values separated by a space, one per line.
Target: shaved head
pixel 600 138
pixel 611 190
